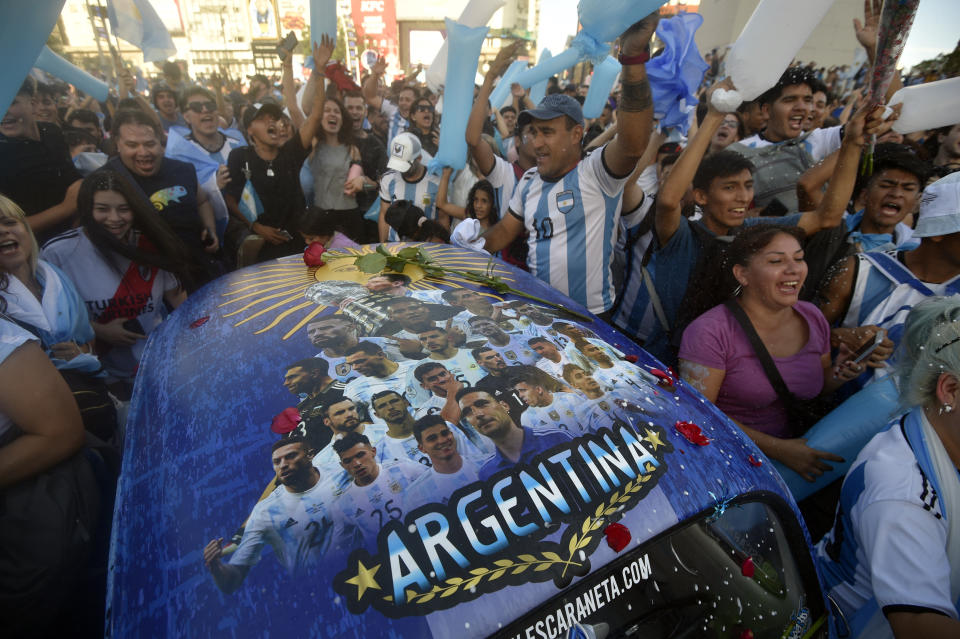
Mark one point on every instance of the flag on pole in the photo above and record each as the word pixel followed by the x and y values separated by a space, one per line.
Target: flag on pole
pixel 136 22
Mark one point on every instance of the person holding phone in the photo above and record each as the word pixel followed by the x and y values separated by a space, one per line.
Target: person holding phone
pixel 127 266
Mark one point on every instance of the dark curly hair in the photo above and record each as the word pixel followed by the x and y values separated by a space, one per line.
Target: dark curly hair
pixel 486 187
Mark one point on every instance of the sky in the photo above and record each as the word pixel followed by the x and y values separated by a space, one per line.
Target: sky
pixel 935 29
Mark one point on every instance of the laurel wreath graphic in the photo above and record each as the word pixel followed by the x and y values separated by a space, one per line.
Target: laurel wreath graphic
pixel 546 560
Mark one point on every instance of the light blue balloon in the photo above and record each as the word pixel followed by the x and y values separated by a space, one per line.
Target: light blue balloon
pixel 502 89
pixel 604 77
pixel 57 66
pixel 539 90
pixel 542 72
pixel 23 31
pixel 323 19
pixel 463 56
pixel 845 431
pixel 605 20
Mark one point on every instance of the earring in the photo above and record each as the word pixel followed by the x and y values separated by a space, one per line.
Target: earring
pixel 738 290
pixel 946 408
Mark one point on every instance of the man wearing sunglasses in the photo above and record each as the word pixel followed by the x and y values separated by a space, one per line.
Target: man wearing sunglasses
pixel 206 146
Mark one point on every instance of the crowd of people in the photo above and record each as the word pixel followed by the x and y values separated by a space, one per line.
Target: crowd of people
pixel 752 254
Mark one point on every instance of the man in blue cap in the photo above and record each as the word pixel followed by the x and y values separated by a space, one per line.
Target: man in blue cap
pixel 570 204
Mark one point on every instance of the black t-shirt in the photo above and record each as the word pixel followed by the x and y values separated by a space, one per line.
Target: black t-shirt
pixel 173 193
pixel 373 159
pixel 36 174
pixel 280 193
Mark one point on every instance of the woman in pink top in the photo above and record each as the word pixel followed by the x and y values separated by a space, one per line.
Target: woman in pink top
pixel 716 357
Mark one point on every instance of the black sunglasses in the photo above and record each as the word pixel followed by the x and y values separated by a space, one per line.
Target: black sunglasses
pixel 200 107
pixel 425 107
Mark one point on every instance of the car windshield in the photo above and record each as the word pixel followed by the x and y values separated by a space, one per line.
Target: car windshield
pixel 727 573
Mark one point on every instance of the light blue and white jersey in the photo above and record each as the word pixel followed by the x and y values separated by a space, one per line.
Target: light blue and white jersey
pixel 504 180
pixel 432 406
pixel 888 547
pixel 390 449
pixel 462 366
pixel 567 412
pixel 327 461
pixel 883 294
pixel 372 506
pixel 300 527
pixel 516 351
pixel 402 381
pixel 571 225
pixel 342 371
pixel 422 193
pixel 396 123
pixel 434 487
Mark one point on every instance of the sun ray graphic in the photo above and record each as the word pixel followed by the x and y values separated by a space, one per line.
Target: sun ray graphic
pixel 283 296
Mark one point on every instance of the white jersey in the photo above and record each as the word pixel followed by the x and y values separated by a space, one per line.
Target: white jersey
pixel 342 371
pixel 434 487
pixel 300 527
pixel 555 369
pixel 504 180
pixel 462 366
pixel 432 406
pixel 423 193
pixel 571 225
pixel 396 123
pixel 363 388
pixel 110 291
pixel 390 449
pixel 884 293
pixel 327 461
pixel 516 351
pixel 889 542
pixel 370 507
pixel 567 412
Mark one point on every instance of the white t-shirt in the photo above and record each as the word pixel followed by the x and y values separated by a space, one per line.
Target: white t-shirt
pixel 111 291
pixel 890 538
pixel 504 180
pixel 402 381
pixel 571 225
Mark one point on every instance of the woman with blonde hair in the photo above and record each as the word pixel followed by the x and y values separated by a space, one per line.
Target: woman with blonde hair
pixel 39 298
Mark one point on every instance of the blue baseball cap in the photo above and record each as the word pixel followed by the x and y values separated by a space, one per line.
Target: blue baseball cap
pixel 553 106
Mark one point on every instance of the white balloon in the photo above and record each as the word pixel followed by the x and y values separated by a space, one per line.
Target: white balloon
pixel 769 41
pixel 726 101
pixel 928 106
pixel 476 14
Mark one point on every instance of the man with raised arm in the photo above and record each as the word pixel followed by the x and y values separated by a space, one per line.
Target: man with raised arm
pixel 570 205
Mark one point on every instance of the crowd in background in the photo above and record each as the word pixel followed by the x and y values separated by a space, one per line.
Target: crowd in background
pixel 752 243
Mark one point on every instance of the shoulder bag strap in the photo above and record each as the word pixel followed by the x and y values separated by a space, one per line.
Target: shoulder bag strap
pixel 769 368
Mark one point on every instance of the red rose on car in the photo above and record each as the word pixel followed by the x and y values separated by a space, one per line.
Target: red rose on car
pixel 286 421
pixel 313 256
pixel 618 536
pixel 692 433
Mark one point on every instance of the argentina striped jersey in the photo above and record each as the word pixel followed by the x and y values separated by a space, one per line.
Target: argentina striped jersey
pixel 422 193
pixel 572 223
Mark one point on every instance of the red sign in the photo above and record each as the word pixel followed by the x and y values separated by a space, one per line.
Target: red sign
pixel 376 25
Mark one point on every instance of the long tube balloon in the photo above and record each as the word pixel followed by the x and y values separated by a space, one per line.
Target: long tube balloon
pixel 323 19
pixel 769 41
pixel 539 90
pixel 927 106
pixel 57 66
pixel 603 21
pixel 477 13
pixel 604 77
pixel 501 92
pixel 23 30
pixel 465 44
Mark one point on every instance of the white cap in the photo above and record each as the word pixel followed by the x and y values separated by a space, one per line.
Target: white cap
pixel 404 149
pixel 940 208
